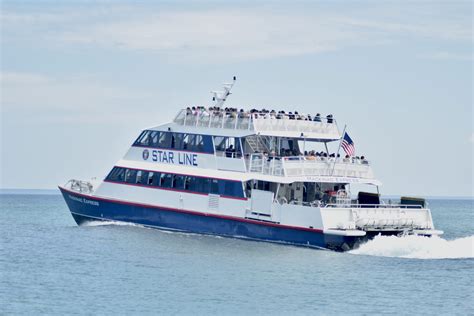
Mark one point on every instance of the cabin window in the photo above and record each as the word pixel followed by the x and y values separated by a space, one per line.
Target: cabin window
pixel 189 142
pixel 164 140
pixel 149 180
pixel 193 184
pixel 188 183
pixel 229 188
pixel 144 177
pixel 193 142
pixel 199 143
pixel 139 176
pixel 130 175
pixel 156 179
pixel 154 138
pixel 139 138
pixel 177 141
pixel 227 147
pixel 120 174
pixel 111 174
pixel 203 185
pixel 220 143
pixel 142 139
pixel 178 182
pixel 214 186
pixel 166 180
pixel 114 174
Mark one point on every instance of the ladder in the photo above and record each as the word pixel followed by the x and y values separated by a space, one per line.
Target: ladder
pixel 258 143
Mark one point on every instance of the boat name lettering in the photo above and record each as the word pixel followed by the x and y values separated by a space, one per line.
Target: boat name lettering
pixel 83 200
pixel 171 157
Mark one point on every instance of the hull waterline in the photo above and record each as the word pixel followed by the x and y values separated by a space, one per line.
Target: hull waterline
pixel 86 208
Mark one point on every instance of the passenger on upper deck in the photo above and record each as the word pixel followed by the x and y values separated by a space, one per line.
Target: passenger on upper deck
pixel 229 112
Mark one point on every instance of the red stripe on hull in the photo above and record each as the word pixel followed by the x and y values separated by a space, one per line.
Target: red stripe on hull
pixel 233 218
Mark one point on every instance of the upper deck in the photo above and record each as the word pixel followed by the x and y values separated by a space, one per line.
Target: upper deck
pixel 265 124
pixel 251 144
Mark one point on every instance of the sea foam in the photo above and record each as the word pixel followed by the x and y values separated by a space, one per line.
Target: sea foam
pixel 418 247
pixel 108 223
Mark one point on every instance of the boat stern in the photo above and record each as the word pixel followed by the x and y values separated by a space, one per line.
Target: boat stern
pixel 363 223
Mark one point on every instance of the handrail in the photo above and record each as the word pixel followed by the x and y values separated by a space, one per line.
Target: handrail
pixel 258 163
pixel 280 166
pixel 242 121
pixel 318 203
pixel 352 205
pixel 80 186
pixel 227 120
pixel 318 159
pixel 286 116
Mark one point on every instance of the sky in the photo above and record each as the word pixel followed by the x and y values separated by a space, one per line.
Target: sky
pixel 79 80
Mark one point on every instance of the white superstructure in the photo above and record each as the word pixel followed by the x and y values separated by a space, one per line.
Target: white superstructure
pixel 255 167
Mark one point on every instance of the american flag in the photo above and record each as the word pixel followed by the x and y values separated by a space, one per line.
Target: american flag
pixel 348 145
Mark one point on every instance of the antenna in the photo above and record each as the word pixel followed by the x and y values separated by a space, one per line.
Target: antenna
pixel 219 97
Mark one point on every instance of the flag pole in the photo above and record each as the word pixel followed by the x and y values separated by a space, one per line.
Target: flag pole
pixel 338 148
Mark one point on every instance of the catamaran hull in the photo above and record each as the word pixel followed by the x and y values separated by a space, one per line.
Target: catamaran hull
pixel 87 208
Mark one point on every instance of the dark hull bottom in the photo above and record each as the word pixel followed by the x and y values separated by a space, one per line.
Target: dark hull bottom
pixel 86 209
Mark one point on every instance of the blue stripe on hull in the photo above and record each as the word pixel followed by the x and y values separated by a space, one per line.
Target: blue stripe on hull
pixel 89 209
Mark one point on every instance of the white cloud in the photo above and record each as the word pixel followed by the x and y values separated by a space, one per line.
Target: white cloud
pixel 446 31
pixel 67 99
pixel 451 56
pixel 234 34
pixel 18 78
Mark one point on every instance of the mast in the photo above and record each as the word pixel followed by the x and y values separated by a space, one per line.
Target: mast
pixel 219 97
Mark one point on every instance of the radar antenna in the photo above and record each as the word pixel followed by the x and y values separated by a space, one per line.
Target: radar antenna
pixel 219 97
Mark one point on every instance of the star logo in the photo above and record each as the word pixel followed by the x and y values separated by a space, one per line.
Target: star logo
pixel 145 154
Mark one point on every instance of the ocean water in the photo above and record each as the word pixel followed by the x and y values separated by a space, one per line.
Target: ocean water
pixel 48 265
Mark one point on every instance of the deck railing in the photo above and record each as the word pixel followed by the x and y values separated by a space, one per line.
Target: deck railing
pixel 337 167
pixel 258 163
pixel 80 186
pixel 256 122
pixel 307 166
pixel 372 206
pixel 300 127
pixel 212 120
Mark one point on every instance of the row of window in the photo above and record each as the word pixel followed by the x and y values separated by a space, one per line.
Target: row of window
pixel 176 181
pixel 178 141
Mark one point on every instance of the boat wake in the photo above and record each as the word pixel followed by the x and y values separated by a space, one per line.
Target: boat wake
pixel 108 223
pixel 418 247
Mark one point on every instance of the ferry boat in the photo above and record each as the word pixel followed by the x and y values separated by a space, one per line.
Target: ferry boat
pixel 247 174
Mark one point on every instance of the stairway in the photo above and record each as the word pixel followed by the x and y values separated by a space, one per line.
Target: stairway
pixel 258 143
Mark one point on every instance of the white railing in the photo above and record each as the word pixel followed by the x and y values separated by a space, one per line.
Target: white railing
pixel 391 218
pixel 380 218
pixel 322 166
pixel 303 166
pixel 80 186
pixel 259 163
pixel 247 121
pixel 300 127
pixel 372 206
pixel 228 120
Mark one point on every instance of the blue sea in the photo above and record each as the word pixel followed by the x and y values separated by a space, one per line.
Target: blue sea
pixel 49 265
